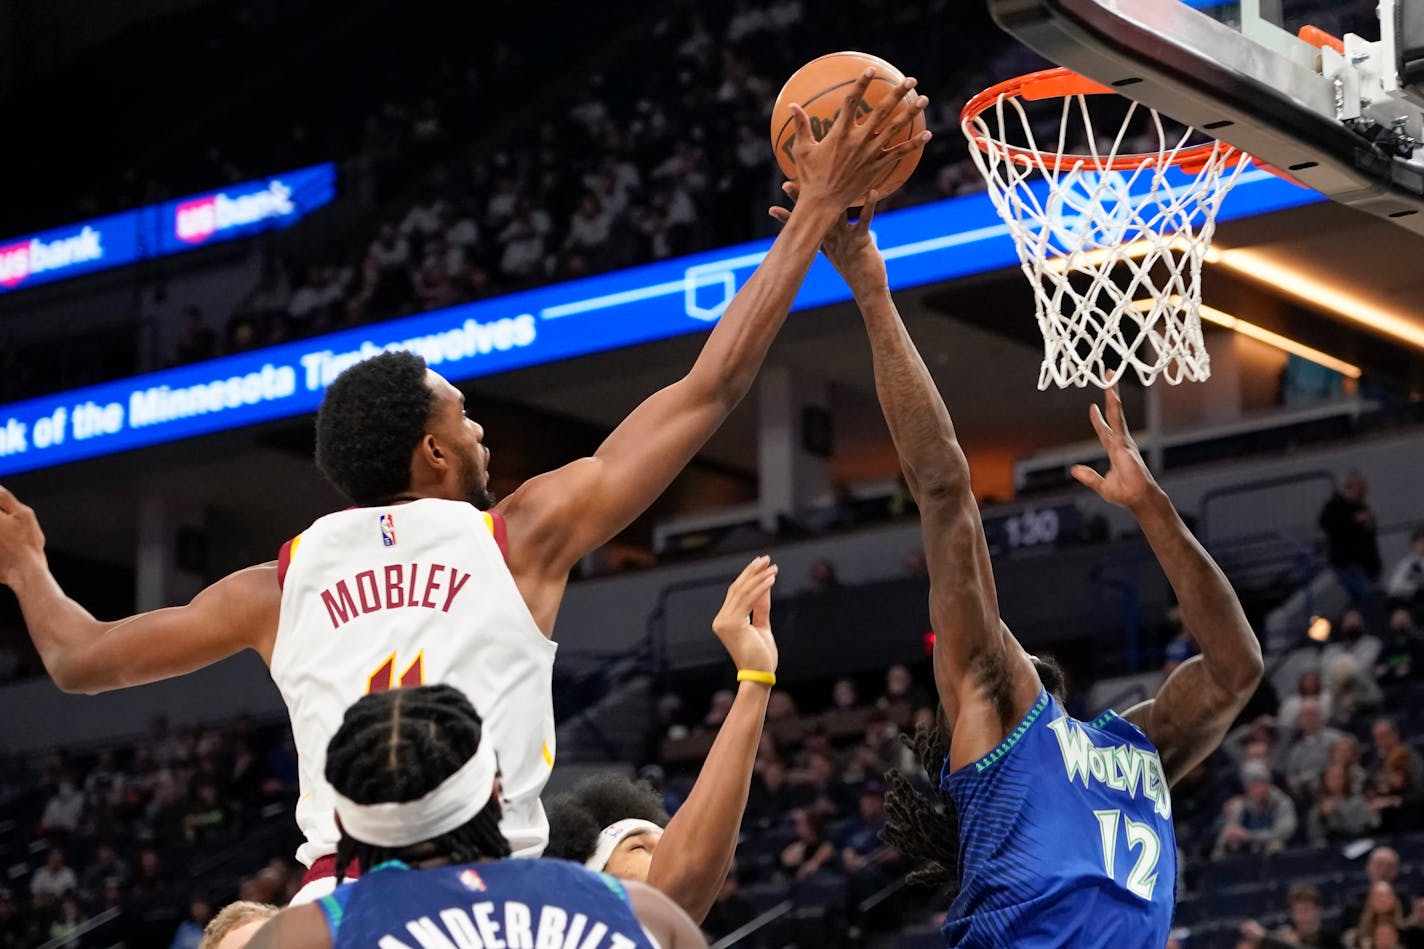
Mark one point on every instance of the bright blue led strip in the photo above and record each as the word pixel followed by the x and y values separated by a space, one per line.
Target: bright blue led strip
pixel 159 230
pixel 930 243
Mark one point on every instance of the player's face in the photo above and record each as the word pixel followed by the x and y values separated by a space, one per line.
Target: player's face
pixel 464 437
pixel 633 856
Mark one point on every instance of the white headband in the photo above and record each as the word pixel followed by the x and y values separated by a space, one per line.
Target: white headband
pixel 614 834
pixel 457 799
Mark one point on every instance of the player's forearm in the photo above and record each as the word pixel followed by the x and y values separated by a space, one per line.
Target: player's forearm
pixel 697 847
pixel 738 344
pixel 916 414
pixel 1211 612
pixel 59 627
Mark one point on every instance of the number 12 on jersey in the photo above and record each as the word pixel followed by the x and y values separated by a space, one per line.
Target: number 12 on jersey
pixel 1141 837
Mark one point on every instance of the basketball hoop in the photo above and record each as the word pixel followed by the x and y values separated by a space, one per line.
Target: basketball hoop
pixel 1147 212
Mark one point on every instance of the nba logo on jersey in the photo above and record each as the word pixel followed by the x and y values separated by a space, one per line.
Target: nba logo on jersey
pixel 472 881
pixel 388 530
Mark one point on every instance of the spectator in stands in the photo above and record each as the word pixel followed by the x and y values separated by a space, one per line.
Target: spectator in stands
pixel 1396 781
pixel 1351 685
pixel 68 919
pixel 389 250
pixel 811 852
pixel 64 811
pixel 105 866
pixel 190 931
pixel 1304 928
pixel 1256 740
pixel 236 924
pixel 843 696
pixel 902 696
pixel 770 796
pixel 206 817
pixel 196 341
pixel 54 879
pixel 1381 867
pixel 1261 820
pixel 1308 687
pixel 1341 812
pixel 864 858
pixel 1406 581
pixel 310 306
pixel 1350 537
pixel 1382 906
pixel 104 784
pixel 1402 657
pixel 1346 753
pixel 1355 638
pixel 1308 754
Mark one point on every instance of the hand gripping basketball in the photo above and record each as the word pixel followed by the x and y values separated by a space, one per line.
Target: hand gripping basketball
pixel 743 624
pixel 851 157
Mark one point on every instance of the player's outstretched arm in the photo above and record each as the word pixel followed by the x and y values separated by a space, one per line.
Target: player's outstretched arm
pixel 662 918
pixel 83 654
pixel 985 681
pixel 697 847
pixel 559 517
pixel 1203 696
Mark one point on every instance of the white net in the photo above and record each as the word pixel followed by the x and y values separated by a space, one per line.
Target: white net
pixel 1111 239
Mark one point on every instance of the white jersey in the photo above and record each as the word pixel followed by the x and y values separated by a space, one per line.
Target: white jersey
pixel 411 594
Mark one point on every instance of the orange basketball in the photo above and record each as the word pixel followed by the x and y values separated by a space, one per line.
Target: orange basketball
pixel 820 87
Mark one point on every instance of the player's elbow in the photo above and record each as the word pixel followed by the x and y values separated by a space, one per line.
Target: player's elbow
pixel 73 676
pixel 944 483
pixel 1244 673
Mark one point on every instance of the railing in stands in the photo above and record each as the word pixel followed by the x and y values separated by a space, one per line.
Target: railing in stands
pixel 1210 528
pixel 73 937
pixel 756 925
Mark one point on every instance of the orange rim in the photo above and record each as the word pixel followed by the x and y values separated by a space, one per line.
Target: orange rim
pixel 1061 83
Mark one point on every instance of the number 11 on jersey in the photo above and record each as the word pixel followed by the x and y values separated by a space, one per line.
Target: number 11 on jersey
pixel 1143 877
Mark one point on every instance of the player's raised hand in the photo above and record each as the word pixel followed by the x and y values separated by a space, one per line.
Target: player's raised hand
pixel 743 624
pixel 1128 482
pixel 21 540
pixel 842 166
pixel 848 244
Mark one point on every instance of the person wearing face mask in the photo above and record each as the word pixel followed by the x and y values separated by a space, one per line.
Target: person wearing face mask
pixel 1402 657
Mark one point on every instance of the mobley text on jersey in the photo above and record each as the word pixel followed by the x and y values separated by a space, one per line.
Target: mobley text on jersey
pixel 428 586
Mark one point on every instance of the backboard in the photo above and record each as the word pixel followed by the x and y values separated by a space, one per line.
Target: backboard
pixel 1342 113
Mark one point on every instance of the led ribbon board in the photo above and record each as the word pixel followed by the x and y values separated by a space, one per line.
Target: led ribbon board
pixel 159 230
pixel 926 244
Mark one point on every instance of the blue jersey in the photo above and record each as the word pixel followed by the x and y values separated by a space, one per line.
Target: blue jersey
pixel 498 903
pixel 1065 835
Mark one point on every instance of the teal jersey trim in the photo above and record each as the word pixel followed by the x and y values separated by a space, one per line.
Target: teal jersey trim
pixel 1013 739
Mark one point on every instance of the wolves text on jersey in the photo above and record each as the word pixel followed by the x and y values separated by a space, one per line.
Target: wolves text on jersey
pixel 1121 767
pixel 396 586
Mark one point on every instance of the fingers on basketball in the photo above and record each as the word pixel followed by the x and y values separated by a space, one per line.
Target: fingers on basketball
pixel 852 105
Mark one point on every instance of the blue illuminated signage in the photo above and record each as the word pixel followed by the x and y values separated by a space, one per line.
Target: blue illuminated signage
pixel 926 244
pixel 159 230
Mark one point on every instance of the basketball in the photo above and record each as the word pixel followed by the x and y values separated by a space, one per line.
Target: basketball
pixel 820 87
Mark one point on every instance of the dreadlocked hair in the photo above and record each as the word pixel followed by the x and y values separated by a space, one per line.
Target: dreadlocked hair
pixel 924 826
pixel 399 745
pixel 579 816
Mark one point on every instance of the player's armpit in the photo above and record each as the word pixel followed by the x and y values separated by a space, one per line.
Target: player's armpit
pixel 663 919
pixel 238 612
pixel 1189 717
pixel 985 681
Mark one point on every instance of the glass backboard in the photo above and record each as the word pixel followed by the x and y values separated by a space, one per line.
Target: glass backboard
pixel 1337 113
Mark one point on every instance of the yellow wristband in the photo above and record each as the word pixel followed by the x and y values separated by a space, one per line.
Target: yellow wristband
pixel 754 675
